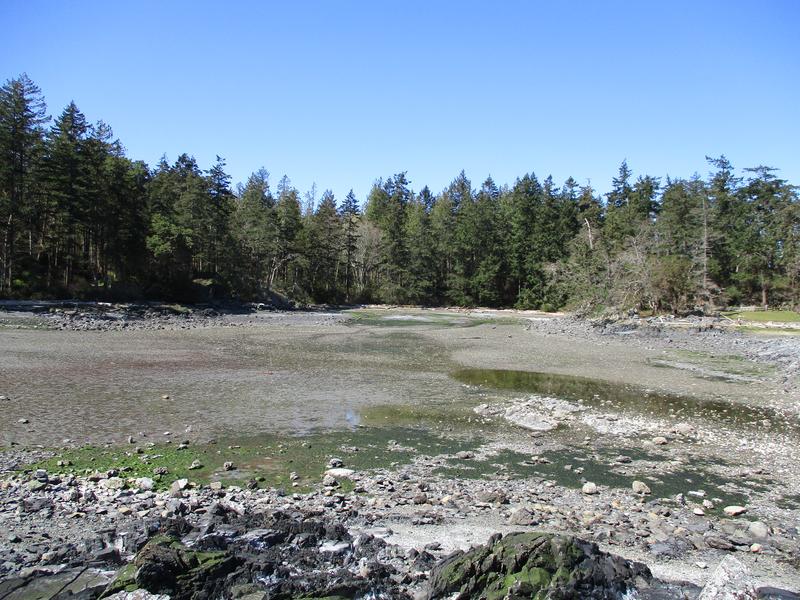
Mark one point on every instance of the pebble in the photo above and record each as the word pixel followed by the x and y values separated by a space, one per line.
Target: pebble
pixel 589 488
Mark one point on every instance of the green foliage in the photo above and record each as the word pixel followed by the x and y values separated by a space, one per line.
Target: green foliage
pixel 79 218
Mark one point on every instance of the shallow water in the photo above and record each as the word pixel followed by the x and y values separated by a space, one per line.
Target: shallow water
pixel 630 399
pixel 600 467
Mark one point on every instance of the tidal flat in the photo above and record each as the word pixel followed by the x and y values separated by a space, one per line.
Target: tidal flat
pixel 671 426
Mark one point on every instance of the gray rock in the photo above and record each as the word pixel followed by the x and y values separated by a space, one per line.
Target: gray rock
pixel 145 483
pixel 589 488
pixel 521 516
pixel 758 530
pixel 112 483
pixel 729 581
pixel 177 487
pixel 640 487
pixel 340 473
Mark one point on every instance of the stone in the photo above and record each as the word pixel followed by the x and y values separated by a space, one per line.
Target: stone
pixel 177 487
pixel 465 455
pixel 34 485
pixel 23 421
pixel 660 440
pixel 734 511
pixel 144 483
pixel 340 473
pixel 698 511
pixel 492 497
pixel 160 471
pixel 758 530
pixel 589 488
pixel 335 463
pixel 521 516
pixel 729 581
pixel 719 543
pixel 420 498
pixel 683 428
pixel 196 464
pixel 228 466
pixel 329 481
pixel 112 483
pixel 215 485
pixel 640 487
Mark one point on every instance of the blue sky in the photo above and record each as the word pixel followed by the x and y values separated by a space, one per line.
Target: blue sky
pixel 340 93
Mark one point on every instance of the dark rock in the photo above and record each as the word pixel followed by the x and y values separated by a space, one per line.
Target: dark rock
pixel 527 565
pixel 165 566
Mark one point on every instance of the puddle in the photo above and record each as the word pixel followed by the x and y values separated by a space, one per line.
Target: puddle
pixel 630 399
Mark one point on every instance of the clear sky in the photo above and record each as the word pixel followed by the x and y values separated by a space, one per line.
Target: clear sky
pixel 341 93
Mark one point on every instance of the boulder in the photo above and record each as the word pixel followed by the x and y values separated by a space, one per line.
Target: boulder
pixel 589 488
pixel 165 566
pixel 534 565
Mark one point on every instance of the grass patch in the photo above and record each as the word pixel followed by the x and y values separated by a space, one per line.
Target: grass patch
pixel 777 316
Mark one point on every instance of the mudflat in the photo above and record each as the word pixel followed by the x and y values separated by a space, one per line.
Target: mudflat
pixel 673 444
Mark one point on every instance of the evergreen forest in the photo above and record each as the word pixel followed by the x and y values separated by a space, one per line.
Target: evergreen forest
pixel 80 219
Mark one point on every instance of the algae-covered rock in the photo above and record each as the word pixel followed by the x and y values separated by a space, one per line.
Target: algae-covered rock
pixel 534 566
pixel 165 566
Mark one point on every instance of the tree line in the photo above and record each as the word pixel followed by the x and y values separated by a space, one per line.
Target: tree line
pixel 79 218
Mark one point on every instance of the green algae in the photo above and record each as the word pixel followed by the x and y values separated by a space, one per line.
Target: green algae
pixel 262 461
